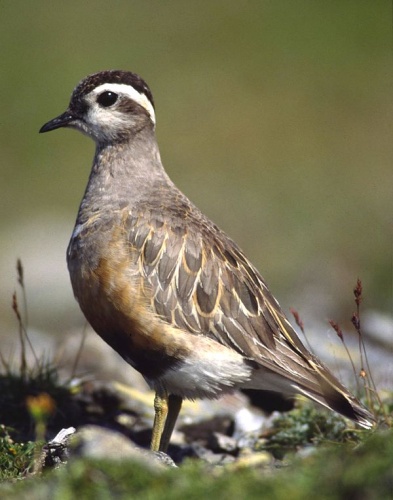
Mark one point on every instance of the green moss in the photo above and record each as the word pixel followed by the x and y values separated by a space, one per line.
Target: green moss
pixel 307 426
pixel 363 472
pixel 16 459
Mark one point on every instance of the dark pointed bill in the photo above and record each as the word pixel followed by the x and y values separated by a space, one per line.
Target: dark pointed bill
pixel 60 121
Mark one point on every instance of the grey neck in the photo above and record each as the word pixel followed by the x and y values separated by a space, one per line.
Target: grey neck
pixel 123 173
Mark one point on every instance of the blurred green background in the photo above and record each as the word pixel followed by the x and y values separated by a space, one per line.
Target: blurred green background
pixel 274 117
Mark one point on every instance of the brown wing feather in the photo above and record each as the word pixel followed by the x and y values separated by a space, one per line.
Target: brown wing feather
pixel 200 281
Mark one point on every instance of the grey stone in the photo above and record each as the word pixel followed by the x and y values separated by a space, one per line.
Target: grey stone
pixel 96 442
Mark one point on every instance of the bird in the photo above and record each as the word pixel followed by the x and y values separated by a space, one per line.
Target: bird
pixel 162 284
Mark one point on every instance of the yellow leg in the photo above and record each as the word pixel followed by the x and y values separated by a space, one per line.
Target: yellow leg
pixel 160 415
pixel 174 406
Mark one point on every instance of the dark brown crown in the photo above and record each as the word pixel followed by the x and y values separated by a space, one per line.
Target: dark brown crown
pixel 112 76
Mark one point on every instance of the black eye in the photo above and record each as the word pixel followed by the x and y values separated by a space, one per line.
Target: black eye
pixel 107 98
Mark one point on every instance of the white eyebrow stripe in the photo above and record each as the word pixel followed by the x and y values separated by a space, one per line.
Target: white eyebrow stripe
pixel 129 90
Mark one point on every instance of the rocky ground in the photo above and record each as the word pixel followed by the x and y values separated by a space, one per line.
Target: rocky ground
pixel 112 408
